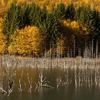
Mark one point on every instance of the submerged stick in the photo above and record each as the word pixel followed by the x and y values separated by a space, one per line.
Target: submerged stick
pixel 3 91
pixel 20 86
pixel 36 88
pixel 10 86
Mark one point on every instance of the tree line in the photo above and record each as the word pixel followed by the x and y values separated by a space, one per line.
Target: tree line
pixel 59 38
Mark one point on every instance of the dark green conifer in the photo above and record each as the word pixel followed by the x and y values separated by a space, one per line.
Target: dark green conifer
pixel 11 21
pixel 70 12
pixel 24 16
pixel 59 11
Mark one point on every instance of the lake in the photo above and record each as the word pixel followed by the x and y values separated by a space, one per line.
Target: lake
pixel 57 83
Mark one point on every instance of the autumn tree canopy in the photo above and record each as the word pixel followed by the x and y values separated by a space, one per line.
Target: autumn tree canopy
pixel 63 26
pixel 27 41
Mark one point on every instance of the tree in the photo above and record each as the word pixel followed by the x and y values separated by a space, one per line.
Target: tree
pixel 11 21
pixel 27 41
pixel 24 16
pixel 50 28
pixel 61 46
pixel 35 14
pixel 3 40
pixel 3 2
pixel 70 12
pixel 80 15
pixel 20 2
pixel 94 24
pixel 9 3
pixel 90 19
pixel 72 38
pixel 59 11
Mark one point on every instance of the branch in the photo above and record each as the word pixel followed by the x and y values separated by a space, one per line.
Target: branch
pixel 36 87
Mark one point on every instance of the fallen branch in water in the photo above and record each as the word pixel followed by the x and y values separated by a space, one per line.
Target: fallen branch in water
pixel 3 91
pixel 42 83
pixel 9 92
pixel 46 85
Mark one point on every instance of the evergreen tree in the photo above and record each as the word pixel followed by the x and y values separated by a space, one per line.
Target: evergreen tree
pixel 70 12
pixel 90 19
pixel 11 21
pixel 43 14
pixel 15 20
pixel 59 11
pixel 98 25
pixel 80 15
pixel 34 15
pixel 50 28
pixel 24 18
pixel 94 25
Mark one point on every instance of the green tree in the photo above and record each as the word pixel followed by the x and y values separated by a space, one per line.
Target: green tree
pixel 70 12
pixel 34 15
pixel 80 15
pixel 90 19
pixel 50 28
pixel 59 11
pixel 94 24
pixel 24 16
pixel 3 40
pixel 11 21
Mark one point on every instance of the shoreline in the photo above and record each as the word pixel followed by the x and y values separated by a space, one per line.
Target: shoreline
pixel 78 62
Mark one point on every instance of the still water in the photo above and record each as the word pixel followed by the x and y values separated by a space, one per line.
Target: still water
pixel 65 84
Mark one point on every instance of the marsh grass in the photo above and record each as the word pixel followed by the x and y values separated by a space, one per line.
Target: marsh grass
pixel 78 62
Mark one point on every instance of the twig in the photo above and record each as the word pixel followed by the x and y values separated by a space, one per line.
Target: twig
pixel 20 86
pixel 36 87
pixel 3 91
pixel 48 86
pixel 30 89
pixel 9 92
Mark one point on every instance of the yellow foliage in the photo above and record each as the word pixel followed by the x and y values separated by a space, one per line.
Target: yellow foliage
pixel 27 41
pixel 20 1
pixel 50 3
pixel 72 32
pixel 98 8
pixel 69 23
pixel 10 2
pixel 3 40
pixel 74 24
pixel 86 1
pixel 66 22
pixel 61 45
pixel 49 52
pixel 3 2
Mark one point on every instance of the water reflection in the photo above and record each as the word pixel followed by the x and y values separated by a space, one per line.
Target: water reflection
pixel 68 84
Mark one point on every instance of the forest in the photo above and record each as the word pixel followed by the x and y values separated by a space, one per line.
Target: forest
pixel 46 28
